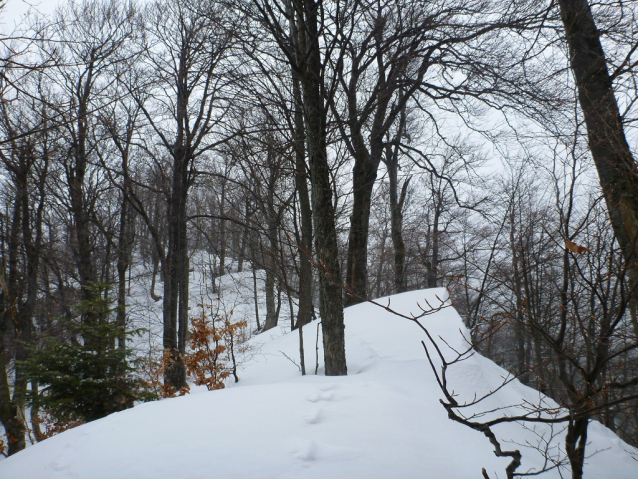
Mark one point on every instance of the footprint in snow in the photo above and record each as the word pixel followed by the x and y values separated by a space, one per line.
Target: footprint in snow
pixel 309 450
pixel 306 450
pixel 321 396
pixel 313 416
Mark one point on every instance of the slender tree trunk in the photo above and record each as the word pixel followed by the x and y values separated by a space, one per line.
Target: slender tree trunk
pixel 255 298
pixel 433 271
pixel 245 237
pixel 271 311
pixel 9 409
pixel 76 173
pixel 271 253
pixel 519 329
pixel 10 414
pixel 26 303
pixel 381 263
pixel 302 357
pixel 123 261
pixel 35 414
pixel 304 314
pixel 222 231
pixel 396 220
pixel 575 442
pixel 396 207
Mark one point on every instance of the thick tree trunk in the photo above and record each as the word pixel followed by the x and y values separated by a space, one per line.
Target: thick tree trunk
pixel 364 176
pixel 170 295
pixel 330 281
pixel 175 291
pixel 613 159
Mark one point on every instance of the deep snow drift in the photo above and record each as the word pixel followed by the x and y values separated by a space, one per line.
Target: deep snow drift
pixel 383 420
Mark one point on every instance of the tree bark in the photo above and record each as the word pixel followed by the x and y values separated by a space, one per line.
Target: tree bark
pixel 364 176
pixel 123 258
pixel 271 252
pixel 330 282
pixel 76 173
pixel 9 408
pixel 609 148
pixel 433 270
pixel 175 291
pixel 396 208
pixel 304 313
pixel 575 442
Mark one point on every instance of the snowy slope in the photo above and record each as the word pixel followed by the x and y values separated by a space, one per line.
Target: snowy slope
pixel 381 421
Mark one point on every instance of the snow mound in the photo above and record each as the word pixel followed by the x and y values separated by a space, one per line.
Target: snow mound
pixel 383 420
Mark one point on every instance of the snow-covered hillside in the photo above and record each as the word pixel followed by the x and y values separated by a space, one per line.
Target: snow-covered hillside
pixel 383 420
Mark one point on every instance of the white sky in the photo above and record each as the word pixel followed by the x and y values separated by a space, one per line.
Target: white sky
pixel 15 10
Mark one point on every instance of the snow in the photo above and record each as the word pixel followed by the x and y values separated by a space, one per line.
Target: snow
pixel 382 420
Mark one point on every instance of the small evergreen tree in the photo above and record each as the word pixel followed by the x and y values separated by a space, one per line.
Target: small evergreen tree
pixel 81 373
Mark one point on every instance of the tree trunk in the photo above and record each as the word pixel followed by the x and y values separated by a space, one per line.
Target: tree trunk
pixel 271 309
pixel 10 414
pixel 272 250
pixel 396 217
pixel 575 442
pixel 304 313
pixel 222 230
pixel 609 148
pixel 330 281
pixel 519 329
pixel 9 408
pixel 364 176
pixel 433 271
pixel 76 173
pixel 123 261
pixel 255 298
pixel 175 291
pixel 396 207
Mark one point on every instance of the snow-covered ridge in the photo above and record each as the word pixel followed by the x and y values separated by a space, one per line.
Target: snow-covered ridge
pixel 383 420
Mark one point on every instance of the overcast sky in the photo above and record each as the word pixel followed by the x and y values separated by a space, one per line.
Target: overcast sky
pixel 14 10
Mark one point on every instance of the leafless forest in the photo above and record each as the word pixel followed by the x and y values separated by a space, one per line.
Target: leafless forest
pixel 348 150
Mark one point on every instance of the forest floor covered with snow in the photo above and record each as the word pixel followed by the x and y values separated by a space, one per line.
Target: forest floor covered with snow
pixel 383 420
